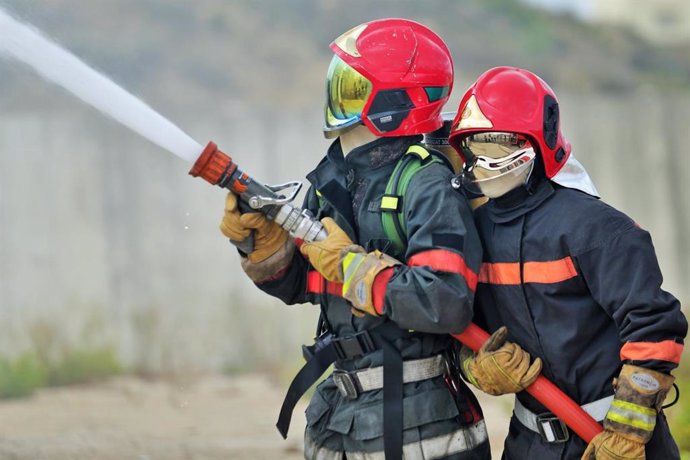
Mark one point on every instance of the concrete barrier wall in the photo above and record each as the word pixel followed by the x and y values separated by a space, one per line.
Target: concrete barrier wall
pixel 104 237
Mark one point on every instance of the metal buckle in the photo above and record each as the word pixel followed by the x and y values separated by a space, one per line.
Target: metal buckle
pixel 552 429
pixel 347 383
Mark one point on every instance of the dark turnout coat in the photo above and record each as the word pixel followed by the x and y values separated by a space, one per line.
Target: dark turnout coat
pixel 577 283
pixel 428 296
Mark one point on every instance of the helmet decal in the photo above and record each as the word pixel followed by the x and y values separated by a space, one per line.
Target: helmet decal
pixel 472 117
pixel 348 41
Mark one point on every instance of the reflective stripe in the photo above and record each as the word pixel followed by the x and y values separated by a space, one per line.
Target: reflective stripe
pixel 667 350
pixel 500 273
pixel 462 440
pixel 548 272
pixel 316 283
pixel 351 263
pixel 631 414
pixel 553 271
pixel 445 261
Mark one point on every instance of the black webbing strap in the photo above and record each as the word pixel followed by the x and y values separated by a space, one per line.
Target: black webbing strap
pixel 392 402
pixel 305 378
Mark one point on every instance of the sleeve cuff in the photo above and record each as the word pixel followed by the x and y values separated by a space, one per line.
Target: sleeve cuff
pixel 378 290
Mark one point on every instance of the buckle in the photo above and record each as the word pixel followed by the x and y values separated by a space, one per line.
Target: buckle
pixel 347 383
pixel 552 429
pixel 354 346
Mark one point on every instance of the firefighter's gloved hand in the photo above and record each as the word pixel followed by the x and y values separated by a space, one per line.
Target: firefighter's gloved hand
pixel 269 237
pixel 359 272
pixel 631 419
pixel 324 255
pixel 500 367
pixel 609 445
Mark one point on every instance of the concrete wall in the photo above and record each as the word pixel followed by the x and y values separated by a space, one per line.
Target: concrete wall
pixel 104 237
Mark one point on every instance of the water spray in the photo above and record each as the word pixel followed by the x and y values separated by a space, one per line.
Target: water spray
pixel 26 44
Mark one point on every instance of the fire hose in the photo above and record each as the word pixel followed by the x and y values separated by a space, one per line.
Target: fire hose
pixel 217 168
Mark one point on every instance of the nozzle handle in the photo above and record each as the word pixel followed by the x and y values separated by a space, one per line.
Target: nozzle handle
pixel 247 244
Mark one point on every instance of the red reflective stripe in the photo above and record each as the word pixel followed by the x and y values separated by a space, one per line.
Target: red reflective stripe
pixel 500 273
pixel 549 272
pixel 334 288
pixel 314 282
pixel 315 285
pixel 668 350
pixel 553 271
pixel 445 261
pixel 378 290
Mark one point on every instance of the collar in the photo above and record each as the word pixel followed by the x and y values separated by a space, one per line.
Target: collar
pixel 519 202
pixel 373 155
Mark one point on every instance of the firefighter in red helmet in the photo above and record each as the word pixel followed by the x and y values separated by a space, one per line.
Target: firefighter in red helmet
pixel 575 281
pixel 398 269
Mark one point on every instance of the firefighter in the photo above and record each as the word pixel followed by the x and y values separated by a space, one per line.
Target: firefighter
pixel 575 281
pixel 398 270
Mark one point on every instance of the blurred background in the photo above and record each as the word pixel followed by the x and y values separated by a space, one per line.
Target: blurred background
pixel 128 328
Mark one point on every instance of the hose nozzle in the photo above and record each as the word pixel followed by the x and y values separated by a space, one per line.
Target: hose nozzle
pixel 213 165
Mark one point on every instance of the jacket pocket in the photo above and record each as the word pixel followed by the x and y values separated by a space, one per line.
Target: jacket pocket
pixel 317 409
pixel 418 409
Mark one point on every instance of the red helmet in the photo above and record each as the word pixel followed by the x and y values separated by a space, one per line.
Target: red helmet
pixel 508 99
pixel 392 75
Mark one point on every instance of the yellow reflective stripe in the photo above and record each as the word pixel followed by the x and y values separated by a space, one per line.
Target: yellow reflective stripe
pixel 349 269
pixel 318 193
pixel 615 417
pixel 389 202
pixel 634 407
pixel 631 414
pixel 419 150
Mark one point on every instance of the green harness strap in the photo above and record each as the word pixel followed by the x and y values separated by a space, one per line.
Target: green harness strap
pixel 392 212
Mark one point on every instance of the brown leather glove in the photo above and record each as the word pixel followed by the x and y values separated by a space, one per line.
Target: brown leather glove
pixel 359 271
pixel 631 419
pixel 324 255
pixel 609 445
pixel 500 367
pixel 269 237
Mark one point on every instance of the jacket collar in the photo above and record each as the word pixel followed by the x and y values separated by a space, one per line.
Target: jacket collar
pixel 331 175
pixel 519 201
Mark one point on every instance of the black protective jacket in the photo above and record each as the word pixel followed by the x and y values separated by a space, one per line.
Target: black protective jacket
pixel 577 283
pixel 428 296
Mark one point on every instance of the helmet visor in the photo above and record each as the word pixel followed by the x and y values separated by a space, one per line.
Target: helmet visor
pixel 495 160
pixel 347 92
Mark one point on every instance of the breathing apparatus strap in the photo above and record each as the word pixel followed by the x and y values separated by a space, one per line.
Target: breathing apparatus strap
pixel 415 159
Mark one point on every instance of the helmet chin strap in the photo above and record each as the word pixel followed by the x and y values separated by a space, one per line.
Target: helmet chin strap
pixel 356 137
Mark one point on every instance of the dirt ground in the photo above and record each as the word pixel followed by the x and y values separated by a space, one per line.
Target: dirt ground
pixel 128 418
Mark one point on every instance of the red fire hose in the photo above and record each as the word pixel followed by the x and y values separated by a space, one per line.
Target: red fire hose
pixel 544 391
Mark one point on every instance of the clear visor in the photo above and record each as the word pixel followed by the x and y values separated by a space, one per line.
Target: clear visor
pixel 496 161
pixel 347 92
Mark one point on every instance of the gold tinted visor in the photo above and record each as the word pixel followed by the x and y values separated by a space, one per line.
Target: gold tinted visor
pixel 347 92
pixel 494 144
